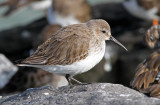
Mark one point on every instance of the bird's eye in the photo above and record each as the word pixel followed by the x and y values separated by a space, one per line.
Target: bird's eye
pixel 104 31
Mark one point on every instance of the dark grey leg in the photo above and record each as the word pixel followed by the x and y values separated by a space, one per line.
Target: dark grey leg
pixel 78 82
pixel 68 79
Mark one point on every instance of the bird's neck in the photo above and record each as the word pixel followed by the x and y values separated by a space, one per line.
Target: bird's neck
pixel 133 8
pixel 56 18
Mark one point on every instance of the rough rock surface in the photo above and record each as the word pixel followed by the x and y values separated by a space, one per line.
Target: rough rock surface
pixel 93 94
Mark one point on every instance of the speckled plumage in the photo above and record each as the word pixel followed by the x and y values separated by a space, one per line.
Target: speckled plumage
pixel 146 78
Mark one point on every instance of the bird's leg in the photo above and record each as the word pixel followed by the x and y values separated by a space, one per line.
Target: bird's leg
pixel 68 77
pixel 80 83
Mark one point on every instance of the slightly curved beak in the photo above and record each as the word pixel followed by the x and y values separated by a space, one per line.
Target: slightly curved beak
pixel 117 42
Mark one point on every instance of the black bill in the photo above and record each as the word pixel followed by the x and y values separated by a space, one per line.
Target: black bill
pixel 117 42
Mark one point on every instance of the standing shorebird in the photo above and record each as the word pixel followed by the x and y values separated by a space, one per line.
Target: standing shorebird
pixel 73 49
pixel 143 9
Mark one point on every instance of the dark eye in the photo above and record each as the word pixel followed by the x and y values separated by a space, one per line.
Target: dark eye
pixel 104 31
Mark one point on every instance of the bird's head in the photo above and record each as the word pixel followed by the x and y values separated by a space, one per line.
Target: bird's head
pixel 102 29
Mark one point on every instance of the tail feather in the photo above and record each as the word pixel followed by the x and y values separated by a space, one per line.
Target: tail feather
pixel 29 65
pixel 23 65
pixel 19 61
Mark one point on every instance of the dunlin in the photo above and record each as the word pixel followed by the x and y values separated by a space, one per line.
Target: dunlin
pixel 73 49
pixel 67 12
pixel 144 9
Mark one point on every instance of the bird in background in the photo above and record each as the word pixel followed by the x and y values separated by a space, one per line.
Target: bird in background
pixel 66 12
pixel 73 49
pixel 143 9
pixel 152 35
pixel 147 77
pixel 13 5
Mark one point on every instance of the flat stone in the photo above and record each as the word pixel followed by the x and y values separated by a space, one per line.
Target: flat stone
pixel 93 94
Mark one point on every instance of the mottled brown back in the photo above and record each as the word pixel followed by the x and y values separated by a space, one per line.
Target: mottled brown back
pixel 66 46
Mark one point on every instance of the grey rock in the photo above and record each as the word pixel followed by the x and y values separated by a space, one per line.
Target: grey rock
pixel 7 70
pixel 93 94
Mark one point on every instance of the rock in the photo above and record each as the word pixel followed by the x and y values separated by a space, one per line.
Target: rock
pixel 7 70
pixel 95 94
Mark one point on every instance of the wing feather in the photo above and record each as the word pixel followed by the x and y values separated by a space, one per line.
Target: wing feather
pixel 61 49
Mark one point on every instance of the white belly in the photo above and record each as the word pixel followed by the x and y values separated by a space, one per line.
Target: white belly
pixel 78 67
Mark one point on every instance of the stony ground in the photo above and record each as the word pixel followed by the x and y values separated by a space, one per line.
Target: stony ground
pixel 93 94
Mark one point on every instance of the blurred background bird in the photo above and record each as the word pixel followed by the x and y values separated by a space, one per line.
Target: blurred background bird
pixel 14 5
pixel 146 79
